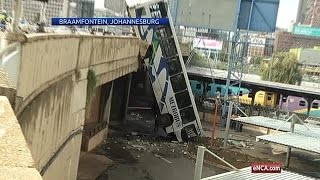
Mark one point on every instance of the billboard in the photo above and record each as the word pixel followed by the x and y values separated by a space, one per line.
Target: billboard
pixel 207 44
pixel 309 57
pixel 263 17
pixel 306 31
pixel 258 42
pixel 211 14
pixel 85 8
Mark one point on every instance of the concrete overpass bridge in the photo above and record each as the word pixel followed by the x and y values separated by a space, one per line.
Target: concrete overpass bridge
pixel 63 89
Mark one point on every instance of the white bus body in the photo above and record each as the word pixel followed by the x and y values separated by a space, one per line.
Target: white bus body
pixel 167 71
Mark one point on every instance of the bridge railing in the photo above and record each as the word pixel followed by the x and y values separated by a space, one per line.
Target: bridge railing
pixel 10 63
pixel 199 161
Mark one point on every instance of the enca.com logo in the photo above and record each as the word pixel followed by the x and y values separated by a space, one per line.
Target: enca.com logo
pixel 266 167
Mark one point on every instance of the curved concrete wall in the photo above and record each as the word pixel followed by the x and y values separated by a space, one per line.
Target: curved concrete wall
pixel 51 92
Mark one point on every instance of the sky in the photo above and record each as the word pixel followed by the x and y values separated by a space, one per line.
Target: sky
pixel 99 3
pixel 287 11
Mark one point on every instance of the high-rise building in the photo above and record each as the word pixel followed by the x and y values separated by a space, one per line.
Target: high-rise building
pixel 309 13
pixel 172 7
pixel 115 7
pixel 32 8
pixel 85 8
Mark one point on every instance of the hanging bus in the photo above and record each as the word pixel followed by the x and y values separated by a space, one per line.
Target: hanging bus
pixel 167 72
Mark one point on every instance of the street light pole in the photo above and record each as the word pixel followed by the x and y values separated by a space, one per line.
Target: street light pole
pixel 17 12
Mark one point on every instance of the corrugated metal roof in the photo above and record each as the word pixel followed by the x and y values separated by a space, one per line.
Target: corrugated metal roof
pixel 294 140
pixel 245 174
pixel 275 124
pixel 254 80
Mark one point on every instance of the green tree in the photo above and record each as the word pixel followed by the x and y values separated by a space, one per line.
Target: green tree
pixel 283 68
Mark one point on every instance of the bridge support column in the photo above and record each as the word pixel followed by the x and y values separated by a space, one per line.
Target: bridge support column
pixel 279 109
pixel 309 101
pixel 128 88
pixel 107 108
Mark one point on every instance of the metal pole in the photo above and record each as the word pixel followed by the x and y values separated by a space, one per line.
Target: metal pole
pixel 289 148
pixel 214 122
pixel 226 135
pixel 222 160
pixel 17 12
pixel 231 57
pixel 199 163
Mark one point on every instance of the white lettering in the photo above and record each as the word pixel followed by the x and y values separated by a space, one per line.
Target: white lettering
pixel 176 116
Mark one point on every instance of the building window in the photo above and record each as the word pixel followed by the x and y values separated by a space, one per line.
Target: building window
pixel 302 103
pixel 198 86
pixel 315 105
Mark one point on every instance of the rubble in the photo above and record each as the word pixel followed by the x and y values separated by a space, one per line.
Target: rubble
pixel 243 144
pixel 240 143
pixel 134 134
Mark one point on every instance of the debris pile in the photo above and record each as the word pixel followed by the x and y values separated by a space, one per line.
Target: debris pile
pixel 240 143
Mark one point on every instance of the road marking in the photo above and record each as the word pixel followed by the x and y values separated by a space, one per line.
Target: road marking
pixel 166 160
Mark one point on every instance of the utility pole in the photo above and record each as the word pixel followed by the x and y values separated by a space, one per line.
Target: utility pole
pixel 17 12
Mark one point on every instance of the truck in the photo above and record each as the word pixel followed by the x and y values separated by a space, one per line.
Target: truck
pixel 167 72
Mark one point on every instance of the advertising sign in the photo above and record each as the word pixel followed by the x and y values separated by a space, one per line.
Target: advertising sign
pixel 207 44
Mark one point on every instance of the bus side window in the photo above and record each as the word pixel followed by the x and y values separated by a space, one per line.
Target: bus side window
pixel 168 48
pixel 187 115
pixel 183 99
pixel 174 67
pixel 178 83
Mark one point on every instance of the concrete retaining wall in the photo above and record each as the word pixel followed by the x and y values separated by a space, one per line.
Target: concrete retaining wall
pixel 15 158
pixel 52 88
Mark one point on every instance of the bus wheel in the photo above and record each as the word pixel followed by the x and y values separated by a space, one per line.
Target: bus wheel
pixel 164 120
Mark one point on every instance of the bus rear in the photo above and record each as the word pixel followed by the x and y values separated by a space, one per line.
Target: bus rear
pixel 167 71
